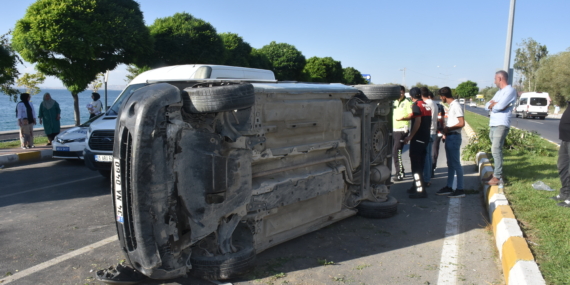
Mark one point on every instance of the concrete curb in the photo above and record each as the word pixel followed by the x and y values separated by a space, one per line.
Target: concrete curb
pixel 519 266
pixel 9 159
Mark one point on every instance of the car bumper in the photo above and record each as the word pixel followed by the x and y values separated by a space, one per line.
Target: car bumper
pixel 538 114
pixel 92 163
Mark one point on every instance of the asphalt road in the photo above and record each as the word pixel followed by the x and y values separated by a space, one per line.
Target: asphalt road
pixel 53 214
pixel 547 128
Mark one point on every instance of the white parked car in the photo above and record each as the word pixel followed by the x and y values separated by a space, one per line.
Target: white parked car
pixel 70 143
pixel 472 104
pixel 98 151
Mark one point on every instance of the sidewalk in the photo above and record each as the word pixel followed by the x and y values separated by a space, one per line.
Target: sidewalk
pixel 10 156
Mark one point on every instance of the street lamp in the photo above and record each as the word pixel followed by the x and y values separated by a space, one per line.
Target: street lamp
pixel 106 79
pixel 404 77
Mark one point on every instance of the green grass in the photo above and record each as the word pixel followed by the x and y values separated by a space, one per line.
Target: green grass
pixel 545 225
pixel 38 140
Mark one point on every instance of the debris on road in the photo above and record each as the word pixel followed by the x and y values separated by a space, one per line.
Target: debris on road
pixel 539 185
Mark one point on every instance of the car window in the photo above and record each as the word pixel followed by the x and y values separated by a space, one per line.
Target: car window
pixel 523 101
pixel 538 101
pixel 114 110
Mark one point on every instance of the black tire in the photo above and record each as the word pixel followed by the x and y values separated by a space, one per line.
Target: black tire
pixel 380 92
pixel 375 210
pixel 543 118
pixel 218 98
pixel 105 173
pixel 516 115
pixel 222 267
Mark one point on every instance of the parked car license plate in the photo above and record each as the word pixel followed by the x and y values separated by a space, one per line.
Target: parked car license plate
pixel 61 148
pixel 103 158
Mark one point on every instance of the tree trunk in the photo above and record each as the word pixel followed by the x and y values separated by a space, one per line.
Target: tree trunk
pixel 76 109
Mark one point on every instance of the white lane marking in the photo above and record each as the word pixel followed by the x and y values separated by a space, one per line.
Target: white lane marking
pixel 536 122
pixel 56 260
pixel 46 187
pixel 450 252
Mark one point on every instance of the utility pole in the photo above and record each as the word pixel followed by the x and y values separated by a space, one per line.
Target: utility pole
pixel 106 78
pixel 507 62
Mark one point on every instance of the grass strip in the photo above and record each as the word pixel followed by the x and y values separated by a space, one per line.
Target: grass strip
pixel 545 225
pixel 38 140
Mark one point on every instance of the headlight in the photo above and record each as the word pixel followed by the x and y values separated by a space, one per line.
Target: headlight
pixel 80 140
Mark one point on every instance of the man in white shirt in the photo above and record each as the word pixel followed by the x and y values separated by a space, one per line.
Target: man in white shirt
pixel 452 132
pixel 501 107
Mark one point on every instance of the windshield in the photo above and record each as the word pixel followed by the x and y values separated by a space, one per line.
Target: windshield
pixel 538 101
pixel 86 124
pixel 114 111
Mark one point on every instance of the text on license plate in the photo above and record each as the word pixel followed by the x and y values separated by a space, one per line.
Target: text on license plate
pixel 116 169
pixel 61 148
pixel 104 158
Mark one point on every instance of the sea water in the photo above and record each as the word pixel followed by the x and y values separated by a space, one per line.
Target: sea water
pixel 63 97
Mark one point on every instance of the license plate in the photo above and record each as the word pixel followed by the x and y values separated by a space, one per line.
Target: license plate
pixel 103 158
pixel 118 191
pixel 61 148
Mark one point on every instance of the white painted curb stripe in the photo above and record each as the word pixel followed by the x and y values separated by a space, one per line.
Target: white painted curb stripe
pixel 56 260
pixel 525 272
pixel 496 200
pixel 450 252
pixel 486 169
pixel 47 187
pixel 506 228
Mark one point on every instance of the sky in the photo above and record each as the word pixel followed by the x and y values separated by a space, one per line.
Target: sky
pixel 437 42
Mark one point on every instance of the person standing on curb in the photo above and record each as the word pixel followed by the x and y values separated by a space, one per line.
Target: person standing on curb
pixel 501 107
pixel 452 134
pixel 401 126
pixel 418 138
pixel 49 116
pixel 26 120
pixel 430 105
pixel 564 160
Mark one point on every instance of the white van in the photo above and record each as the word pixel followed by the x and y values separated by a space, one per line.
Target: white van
pixel 532 105
pixel 98 152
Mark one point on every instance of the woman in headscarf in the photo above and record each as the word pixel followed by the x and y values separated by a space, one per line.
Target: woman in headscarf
pixel 50 115
pixel 26 120
pixel 96 106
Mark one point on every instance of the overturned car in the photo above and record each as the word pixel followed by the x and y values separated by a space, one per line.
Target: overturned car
pixel 206 174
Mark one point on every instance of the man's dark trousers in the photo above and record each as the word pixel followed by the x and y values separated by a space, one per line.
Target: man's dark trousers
pixel 564 168
pixel 418 151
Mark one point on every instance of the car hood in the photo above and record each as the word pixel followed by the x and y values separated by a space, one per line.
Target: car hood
pixel 73 133
pixel 104 123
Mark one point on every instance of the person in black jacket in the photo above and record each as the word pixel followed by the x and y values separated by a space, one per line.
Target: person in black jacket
pixel 564 160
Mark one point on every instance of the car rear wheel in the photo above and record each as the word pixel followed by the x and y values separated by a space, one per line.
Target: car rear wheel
pixel 380 92
pixel 542 118
pixel 218 98
pixel 378 210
